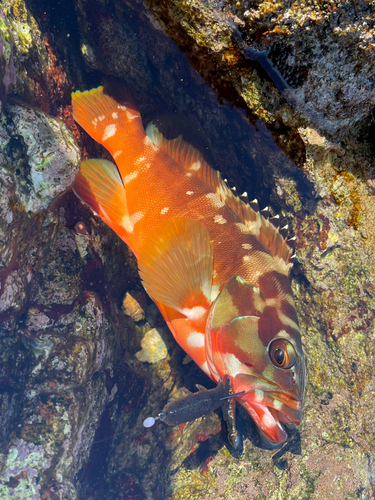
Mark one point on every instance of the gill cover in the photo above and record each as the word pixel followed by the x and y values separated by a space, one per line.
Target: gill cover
pixel 270 372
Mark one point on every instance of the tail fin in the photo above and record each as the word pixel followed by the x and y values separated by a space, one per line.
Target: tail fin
pixel 99 185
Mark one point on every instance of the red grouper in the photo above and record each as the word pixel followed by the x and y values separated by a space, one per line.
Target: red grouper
pixel 215 266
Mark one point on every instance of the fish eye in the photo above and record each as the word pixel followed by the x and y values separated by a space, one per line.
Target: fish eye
pixel 282 353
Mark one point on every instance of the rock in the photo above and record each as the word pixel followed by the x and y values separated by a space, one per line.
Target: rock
pixel 318 55
pixel 153 347
pixel 7 69
pixel 132 308
pixel 52 156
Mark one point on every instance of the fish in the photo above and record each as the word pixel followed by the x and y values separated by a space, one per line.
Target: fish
pixel 217 267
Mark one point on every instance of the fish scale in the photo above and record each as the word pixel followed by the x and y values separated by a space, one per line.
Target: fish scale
pixel 216 268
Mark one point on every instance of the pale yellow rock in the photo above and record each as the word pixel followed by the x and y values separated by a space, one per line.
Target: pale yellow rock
pixel 153 348
pixel 132 308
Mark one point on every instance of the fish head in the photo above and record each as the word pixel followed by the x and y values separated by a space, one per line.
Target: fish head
pixel 261 353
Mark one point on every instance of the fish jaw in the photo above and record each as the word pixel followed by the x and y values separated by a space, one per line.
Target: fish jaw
pixel 268 406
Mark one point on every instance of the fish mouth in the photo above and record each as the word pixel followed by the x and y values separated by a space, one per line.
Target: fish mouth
pixel 270 410
pixel 269 419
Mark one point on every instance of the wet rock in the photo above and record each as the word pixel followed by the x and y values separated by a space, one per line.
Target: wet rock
pixel 22 465
pixel 51 152
pixel 153 347
pixel 56 342
pixel 7 69
pixel 132 308
pixel 319 56
pixel 41 81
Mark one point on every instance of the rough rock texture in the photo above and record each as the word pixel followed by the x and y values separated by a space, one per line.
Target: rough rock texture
pixel 323 52
pixel 7 69
pixel 296 134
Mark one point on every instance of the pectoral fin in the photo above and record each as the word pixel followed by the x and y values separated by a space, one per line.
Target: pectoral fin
pixel 176 265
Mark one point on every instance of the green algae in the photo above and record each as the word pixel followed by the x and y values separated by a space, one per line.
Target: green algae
pixel 22 464
pixel 6 37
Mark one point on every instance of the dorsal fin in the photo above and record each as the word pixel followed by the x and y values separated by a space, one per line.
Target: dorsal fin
pixel 192 160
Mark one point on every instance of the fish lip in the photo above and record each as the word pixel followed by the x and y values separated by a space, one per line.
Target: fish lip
pixel 294 403
pixel 280 406
pixel 292 411
pixel 272 432
pixel 272 390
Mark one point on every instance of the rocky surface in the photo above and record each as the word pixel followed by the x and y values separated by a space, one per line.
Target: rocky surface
pixel 292 127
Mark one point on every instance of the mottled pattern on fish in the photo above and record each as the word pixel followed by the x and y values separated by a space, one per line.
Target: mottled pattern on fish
pixel 216 268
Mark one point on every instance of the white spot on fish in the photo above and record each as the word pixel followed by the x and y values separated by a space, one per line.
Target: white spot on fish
pixel 216 200
pixel 278 405
pixel 281 265
pixel 205 368
pixel 148 142
pixel 267 421
pixel 128 223
pixel 195 339
pixel 95 122
pixel 188 174
pixel 130 177
pixel 258 396
pixel 287 321
pixel 101 118
pixel 206 290
pixel 246 258
pixel 117 153
pixel 124 108
pixel 189 192
pixel 232 364
pixel 109 131
pixel 131 116
pixel 164 210
pixel 256 226
pixel 243 229
pixel 194 313
pixel 272 302
pixel 114 115
pixel 136 217
pixel 195 166
pixel 247 246
pixel 219 219
pixel 148 165
pixel 154 134
pixel 139 160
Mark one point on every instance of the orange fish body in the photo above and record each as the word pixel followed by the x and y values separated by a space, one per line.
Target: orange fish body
pixel 216 268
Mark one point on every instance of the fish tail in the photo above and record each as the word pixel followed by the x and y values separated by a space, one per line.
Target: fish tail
pixel 99 185
pixel 116 125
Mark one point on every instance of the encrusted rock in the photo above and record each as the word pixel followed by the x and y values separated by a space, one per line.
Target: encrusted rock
pixel 132 308
pixel 153 347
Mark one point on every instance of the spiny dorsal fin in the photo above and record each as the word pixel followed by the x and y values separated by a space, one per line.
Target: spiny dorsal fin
pixel 192 160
